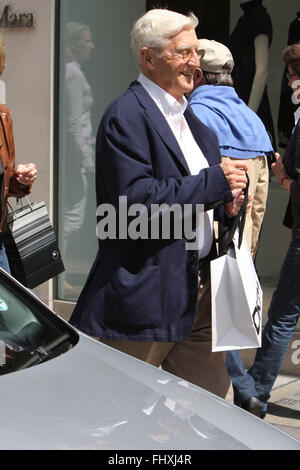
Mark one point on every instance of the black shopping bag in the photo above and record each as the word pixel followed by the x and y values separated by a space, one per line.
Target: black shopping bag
pixel 31 245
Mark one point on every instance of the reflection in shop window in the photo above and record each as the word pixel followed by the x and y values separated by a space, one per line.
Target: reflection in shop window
pixel 79 155
pixel 96 66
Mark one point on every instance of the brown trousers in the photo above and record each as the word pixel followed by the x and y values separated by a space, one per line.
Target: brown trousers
pixel 258 173
pixel 190 359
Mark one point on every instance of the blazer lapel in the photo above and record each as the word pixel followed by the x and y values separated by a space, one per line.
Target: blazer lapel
pixel 291 157
pixel 159 123
pixel 201 135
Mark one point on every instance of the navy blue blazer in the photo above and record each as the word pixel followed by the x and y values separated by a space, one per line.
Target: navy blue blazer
pixel 291 161
pixel 146 290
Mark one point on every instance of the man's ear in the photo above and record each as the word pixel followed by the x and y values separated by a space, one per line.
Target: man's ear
pixel 198 77
pixel 147 57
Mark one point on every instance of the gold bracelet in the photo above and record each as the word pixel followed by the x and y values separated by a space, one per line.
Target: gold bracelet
pixel 283 178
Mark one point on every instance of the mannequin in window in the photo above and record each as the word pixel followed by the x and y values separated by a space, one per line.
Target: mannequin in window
pixel 249 44
pixel 261 46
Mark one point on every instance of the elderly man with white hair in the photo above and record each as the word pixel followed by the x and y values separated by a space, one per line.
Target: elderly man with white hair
pixel 150 296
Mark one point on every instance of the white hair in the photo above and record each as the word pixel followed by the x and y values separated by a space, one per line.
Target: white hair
pixel 156 28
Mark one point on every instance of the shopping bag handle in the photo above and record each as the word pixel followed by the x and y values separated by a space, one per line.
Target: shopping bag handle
pixel 21 202
pixel 27 200
pixel 226 239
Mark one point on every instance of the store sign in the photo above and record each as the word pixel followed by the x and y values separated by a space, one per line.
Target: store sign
pixel 9 19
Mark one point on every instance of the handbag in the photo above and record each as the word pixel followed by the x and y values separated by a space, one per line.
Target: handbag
pixel 31 245
pixel 236 293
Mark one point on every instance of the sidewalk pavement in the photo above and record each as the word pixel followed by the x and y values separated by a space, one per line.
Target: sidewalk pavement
pixel 284 405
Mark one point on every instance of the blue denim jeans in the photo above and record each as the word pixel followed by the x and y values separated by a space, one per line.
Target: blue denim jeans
pixel 3 260
pixel 283 315
pixel 243 384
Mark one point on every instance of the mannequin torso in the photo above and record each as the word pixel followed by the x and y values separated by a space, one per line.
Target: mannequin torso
pixel 261 46
pixel 249 45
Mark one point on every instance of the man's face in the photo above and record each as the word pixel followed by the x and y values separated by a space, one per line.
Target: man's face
pixel 174 66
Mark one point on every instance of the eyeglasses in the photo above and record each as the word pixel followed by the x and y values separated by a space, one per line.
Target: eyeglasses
pixel 290 75
pixel 186 53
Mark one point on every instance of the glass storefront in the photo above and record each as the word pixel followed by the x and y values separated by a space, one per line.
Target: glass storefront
pixel 96 65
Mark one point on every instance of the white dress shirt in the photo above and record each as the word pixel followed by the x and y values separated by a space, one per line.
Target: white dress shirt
pixel 297 116
pixel 173 112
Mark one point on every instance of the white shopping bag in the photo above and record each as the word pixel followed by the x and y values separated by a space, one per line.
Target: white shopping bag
pixel 236 297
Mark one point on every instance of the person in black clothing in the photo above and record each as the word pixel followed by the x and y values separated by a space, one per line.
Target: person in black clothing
pixel 287 108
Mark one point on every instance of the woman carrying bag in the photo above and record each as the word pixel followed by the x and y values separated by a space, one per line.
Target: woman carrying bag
pixel 14 181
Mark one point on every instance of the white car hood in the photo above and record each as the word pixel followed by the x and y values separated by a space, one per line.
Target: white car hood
pixel 94 397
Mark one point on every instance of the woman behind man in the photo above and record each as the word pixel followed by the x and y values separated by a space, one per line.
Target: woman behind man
pixel 14 181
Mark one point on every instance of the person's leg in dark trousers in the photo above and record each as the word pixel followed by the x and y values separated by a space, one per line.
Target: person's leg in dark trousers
pixel 243 384
pixel 283 315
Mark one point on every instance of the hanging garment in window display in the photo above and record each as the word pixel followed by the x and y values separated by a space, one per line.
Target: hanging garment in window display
pixel 249 43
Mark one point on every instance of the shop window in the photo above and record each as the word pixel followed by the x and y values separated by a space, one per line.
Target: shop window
pixel 96 65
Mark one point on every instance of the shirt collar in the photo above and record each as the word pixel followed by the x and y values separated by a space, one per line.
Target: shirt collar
pixel 166 102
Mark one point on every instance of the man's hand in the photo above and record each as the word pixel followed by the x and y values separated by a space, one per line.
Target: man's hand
pixel 233 207
pixel 235 173
pixel 26 174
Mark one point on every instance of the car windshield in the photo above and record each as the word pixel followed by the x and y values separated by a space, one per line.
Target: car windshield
pixel 30 333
